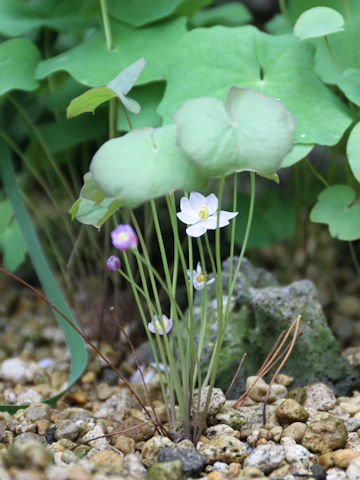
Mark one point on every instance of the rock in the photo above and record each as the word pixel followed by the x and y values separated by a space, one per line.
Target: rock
pixel 262 311
pixel 29 437
pixel 28 396
pixel 133 465
pixel 232 417
pixel 223 448
pixel 298 454
pixel 38 412
pixel 37 455
pixel 117 405
pixel 295 430
pixel 260 389
pixel 352 424
pixel 166 471
pixel 122 443
pixel 108 457
pixel 319 397
pixel 152 447
pixel 220 429
pixel 325 435
pixel 192 461
pixel 16 370
pixel 220 467
pixel 217 401
pixel 353 442
pixel 353 470
pixel 336 474
pixel 291 411
pixel 266 457
pixel 53 472
pixel 298 394
pixel 67 429
pixel 343 457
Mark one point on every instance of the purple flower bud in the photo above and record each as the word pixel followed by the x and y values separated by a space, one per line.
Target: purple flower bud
pixel 113 263
pixel 124 237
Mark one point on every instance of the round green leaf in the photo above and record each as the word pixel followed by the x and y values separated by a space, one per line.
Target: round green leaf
pixel 277 66
pixel 353 151
pixel 298 152
pixel 18 60
pixel 156 43
pixel 231 14
pixel 138 13
pixel 249 132
pixel 350 84
pixel 334 208
pixel 18 17
pixel 317 22
pixel 142 165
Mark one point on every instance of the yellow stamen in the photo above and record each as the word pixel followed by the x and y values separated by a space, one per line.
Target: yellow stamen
pixel 200 278
pixel 204 213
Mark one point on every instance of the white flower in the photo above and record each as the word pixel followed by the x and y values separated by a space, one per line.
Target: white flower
pixel 199 278
pixel 201 214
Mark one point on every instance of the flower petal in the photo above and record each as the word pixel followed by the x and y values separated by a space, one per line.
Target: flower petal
pixel 196 230
pixel 186 218
pixel 225 217
pixel 197 200
pixel 212 203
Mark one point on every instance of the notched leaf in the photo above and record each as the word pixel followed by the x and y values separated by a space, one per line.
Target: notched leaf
pixel 335 208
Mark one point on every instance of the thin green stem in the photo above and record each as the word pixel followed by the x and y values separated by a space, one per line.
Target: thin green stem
pixel 284 11
pixel 113 112
pixel 333 59
pixel 42 143
pixel 127 116
pixel 246 238
pixel 106 24
pixel 347 9
pixel 354 258
pixel 316 173
pixel 144 320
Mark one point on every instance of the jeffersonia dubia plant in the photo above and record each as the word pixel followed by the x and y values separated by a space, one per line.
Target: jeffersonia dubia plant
pixel 210 139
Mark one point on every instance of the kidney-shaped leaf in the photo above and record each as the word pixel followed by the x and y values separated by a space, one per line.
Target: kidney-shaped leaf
pixel 334 208
pixel 353 151
pixel 155 43
pixel 144 164
pixel 18 17
pixel 350 84
pixel 138 12
pixel 317 22
pixel 248 132
pixel 279 67
pixel 18 60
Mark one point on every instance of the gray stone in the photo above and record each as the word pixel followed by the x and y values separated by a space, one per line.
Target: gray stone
pixel 223 448
pixel 67 429
pixel 166 471
pixel 37 412
pixel 262 310
pixel 16 370
pixel 192 461
pixel 29 437
pixel 325 435
pixel 265 457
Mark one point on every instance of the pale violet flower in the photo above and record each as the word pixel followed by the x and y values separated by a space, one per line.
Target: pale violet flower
pixel 124 237
pixel 201 214
pixel 155 324
pixel 199 278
